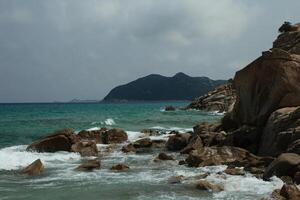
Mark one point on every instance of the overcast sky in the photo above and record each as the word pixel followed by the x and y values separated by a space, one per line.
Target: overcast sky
pixel 64 49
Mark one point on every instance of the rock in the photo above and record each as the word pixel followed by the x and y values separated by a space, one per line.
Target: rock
pixel 114 136
pixel 275 196
pixel 270 82
pixel 287 179
pixel 203 176
pixel 120 167
pixel 157 143
pixel 163 156
pixel 195 143
pixel 85 148
pixel 234 171
pixel 255 170
pixel 290 192
pixel 204 185
pixel 178 141
pixel 289 39
pixel 151 132
pixel 220 99
pixel 61 140
pixel 182 162
pixel 225 155
pixel 281 130
pixel 92 135
pixel 34 168
pixel 296 178
pixel 128 148
pixel 169 108
pixel 89 165
pixel 143 143
pixel 175 179
pixel 285 165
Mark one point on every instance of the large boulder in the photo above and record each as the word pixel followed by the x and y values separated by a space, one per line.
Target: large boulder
pixel 95 135
pixel 225 155
pixel 34 168
pixel 85 148
pixel 115 135
pixel 270 82
pixel 61 140
pixel 287 164
pixel 281 130
pixel 178 141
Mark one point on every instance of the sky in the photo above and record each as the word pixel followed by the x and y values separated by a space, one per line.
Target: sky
pixel 58 50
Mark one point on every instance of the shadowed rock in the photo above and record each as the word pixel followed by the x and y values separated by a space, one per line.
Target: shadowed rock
pixel 114 136
pixel 34 168
pixel 85 148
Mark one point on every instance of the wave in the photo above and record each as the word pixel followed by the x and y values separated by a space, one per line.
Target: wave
pixel 108 122
pixel 172 128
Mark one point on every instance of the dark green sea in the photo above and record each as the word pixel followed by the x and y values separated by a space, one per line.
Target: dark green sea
pixel 20 124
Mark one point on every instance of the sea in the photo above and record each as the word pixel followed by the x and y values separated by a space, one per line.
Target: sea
pixel 21 124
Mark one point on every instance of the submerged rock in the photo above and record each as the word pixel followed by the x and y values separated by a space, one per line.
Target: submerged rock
pixel 89 165
pixel 120 167
pixel 85 148
pixel 61 140
pixel 170 108
pixel 143 143
pixel 205 185
pixel 128 148
pixel 34 168
pixel 175 179
pixel 234 171
pixel 164 156
pixel 114 136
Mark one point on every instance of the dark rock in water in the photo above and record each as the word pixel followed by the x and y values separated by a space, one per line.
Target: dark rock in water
pixel 182 162
pixel 120 167
pixel 170 108
pixel 205 185
pixel 234 171
pixel 128 148
pixel 34 168
pixel 61 140
pixel 143 143
pixel 89 165
pixel 296 177
pixel 195 143
pixel 178 141
pixel 175 179
pixel 151 132
pixel 114 136
pixel 164 156
pixel 220 99
pixel 157 87
pixel 85 148
pixel 281 130
pixel 92 135
pixel 267 84
pixel 287 164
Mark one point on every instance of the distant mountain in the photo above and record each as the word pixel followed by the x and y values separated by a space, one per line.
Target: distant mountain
pixel 156 87
pixel 83 101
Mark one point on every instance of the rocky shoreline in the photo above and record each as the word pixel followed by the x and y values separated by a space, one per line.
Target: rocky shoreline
pixel 260 133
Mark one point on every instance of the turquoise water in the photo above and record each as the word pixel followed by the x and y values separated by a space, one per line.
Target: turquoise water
pixel 20 124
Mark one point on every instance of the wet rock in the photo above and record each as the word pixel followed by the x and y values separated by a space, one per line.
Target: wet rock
pixel 128 148
pixel 287 179
pixel 175 179
pixel 178 141
pixel 202 176
pixel 294 147
pixel 296 177
pixel 151 132
pixel 205 185
pixel 143 143
pixel 285 165
pixel 92 135
pixel 170 108
pixel 34 168
pixel 159 143
pixel 182 162
pixel 290 192
pixel 114 136
pixel 195 143
pixel 85 148
pixel 164 156
pixel 234 171
pixel 120 167
pixel 89 165
pixel 60 140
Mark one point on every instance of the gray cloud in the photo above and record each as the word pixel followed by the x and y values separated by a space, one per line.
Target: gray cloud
pixel 60 49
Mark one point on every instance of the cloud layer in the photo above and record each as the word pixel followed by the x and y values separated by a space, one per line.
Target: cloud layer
pixel 60 49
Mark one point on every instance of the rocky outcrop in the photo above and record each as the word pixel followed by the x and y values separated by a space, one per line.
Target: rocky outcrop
pixel 113 136
pixel 221 99
pixel 61 140
pixel 34 168
pixel 89 165
pixel 85 148
pixel 287 192
pixel 95 135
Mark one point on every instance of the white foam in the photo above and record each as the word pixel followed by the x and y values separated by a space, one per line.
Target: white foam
pixel 16 157
pixel 93 129
pixel 172 128
pixel 109 122
pixel 217 113
pixel 134 135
